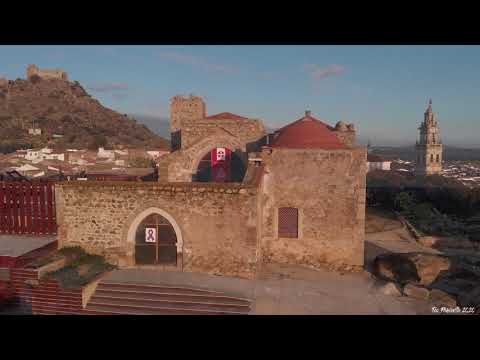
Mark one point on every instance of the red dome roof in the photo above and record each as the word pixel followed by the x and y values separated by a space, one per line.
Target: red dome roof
pixel 307 133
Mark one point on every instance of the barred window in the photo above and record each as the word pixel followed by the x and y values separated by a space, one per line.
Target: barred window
pixel 438 158
pixel 288 222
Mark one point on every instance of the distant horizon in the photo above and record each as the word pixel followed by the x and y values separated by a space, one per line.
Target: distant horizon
pixel 383 90
pixel 165 121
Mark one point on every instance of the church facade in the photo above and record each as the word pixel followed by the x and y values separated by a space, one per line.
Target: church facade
pixel 230 198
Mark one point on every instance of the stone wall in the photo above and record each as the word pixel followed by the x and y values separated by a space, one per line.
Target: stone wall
pixel 329 189
pixel 46 73
pixel 181 109
pixel 186 108
pixel 182 165
pixel 424 164
pixel 248 131
pixel 217 222
pixel 347 137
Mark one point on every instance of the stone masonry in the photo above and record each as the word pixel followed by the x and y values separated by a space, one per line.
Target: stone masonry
pixel 33 70
pixel 217 222
pixel 429 147
pixel 326 188
pixel 182 109
pixel 312 169
pixel 194 135
pixel 346 133
pixel 248 131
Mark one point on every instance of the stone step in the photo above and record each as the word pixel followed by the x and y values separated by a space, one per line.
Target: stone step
pixel 200 304
pixel 153 288
pixel 145 310
pixel 170 295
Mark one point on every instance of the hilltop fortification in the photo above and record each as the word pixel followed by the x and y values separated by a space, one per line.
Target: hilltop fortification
pixel 50 105
pixel 58 74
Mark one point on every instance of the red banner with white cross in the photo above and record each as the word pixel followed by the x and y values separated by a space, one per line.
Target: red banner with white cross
pixel 221 164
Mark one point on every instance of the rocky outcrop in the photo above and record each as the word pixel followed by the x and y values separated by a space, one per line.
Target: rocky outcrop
pixel 410 267
pixel 441 298
pixel 445 243
pixel 389 288
pixel 444 280
pixel 416 292
pixel 429 266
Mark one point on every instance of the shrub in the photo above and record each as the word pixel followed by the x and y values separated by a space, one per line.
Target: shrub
pixel 81 269
pixel 98 141
pixel 35 79
pixel 404 201
pixel 140 162
pixel 423 211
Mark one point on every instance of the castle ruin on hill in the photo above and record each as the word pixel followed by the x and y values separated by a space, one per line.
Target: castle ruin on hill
pixel 33 70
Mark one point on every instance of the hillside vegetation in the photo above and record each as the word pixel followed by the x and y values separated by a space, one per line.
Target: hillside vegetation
pixel 65 108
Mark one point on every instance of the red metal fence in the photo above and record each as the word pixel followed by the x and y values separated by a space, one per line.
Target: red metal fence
pixel 27 208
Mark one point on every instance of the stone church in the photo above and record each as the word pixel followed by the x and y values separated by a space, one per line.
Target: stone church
pixel 230 198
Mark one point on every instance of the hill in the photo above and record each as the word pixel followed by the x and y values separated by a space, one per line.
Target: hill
pixel 159 125
pixel 64 108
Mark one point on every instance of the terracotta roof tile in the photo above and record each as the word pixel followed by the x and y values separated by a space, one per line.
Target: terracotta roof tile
pixel 375 158
pixel 307 133
pixel 226 115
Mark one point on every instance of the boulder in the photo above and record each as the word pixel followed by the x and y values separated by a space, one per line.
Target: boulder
pixel 395 267
pixel 429 241
pixel 416 292
pixel 410 267
pixel 448 242
pixel 390 288
pixel 441 298
pixel 429 266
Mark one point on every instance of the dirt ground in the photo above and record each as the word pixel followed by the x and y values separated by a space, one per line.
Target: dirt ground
pixel 288 290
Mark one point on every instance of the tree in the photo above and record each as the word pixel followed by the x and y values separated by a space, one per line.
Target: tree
pixel 98 141
pixel 404 201
pixel 423 211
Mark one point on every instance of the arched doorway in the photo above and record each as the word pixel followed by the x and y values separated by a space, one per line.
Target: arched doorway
pixel 220 165
pixel 156 241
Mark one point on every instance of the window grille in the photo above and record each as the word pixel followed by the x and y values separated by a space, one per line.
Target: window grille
pixel 288 222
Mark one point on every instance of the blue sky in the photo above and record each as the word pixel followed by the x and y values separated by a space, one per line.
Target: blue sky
pixel 384 90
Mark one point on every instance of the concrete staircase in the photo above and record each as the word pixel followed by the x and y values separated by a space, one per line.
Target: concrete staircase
pixel 114 298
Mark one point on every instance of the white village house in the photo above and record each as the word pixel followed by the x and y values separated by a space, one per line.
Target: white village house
pixel 375 162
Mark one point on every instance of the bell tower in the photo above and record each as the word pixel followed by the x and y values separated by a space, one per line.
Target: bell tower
pixel 429 147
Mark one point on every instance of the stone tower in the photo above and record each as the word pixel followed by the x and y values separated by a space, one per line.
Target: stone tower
pixel 191 108
pixel 429 148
